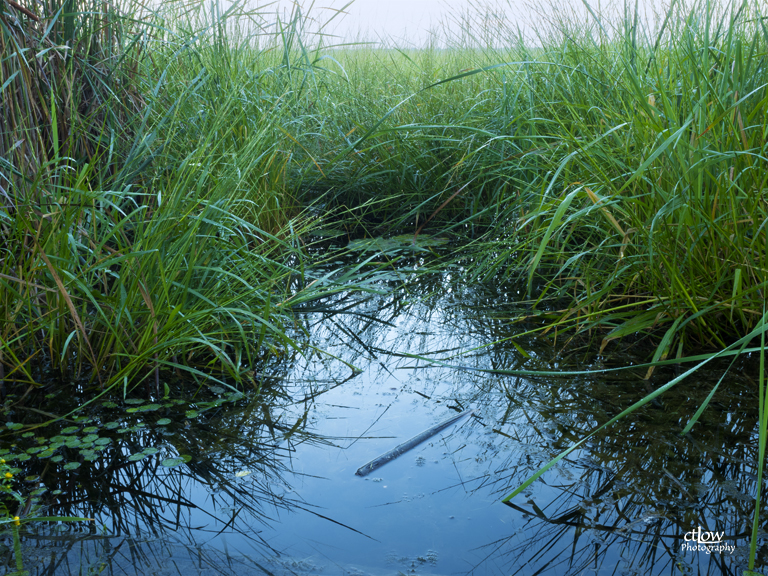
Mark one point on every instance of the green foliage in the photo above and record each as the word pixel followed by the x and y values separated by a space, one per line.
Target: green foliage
pixel 617 166
pixel 150 227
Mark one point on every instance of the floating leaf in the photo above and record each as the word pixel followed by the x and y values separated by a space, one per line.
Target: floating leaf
pixel 23 457
pixel 216 389
pixel 57 458
pixel 32 478
pixel 73 442
pixel 59 439
pixel 71 465
pixel 70 430
pixel 136 457
pixel 87 453
pixel 35 449
pixel 111 425
pixel 172 462
pixel 90 429
pixel 242 473
pixel 396 243
pixel 91 438
pixel 102 441
pixel 27 434
pixel 45 454
pixel 14 425
pixel 134 401
pixel 109 404
pixel 164 421
pixel 150 450
pixel 191 413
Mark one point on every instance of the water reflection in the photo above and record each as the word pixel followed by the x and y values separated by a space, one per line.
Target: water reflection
pixel 271 487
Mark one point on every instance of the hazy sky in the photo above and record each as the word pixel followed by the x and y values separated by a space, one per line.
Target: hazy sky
pixel 408 22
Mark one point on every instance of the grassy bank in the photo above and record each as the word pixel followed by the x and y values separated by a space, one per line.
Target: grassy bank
pixel 154 213
pixel 148 224
pixel 615 167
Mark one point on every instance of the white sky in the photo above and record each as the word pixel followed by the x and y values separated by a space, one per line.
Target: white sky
pixel 408 22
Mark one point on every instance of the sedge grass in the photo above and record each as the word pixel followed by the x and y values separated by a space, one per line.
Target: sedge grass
pixel 147 222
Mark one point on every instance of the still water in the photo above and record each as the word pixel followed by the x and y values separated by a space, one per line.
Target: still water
pixel 271 487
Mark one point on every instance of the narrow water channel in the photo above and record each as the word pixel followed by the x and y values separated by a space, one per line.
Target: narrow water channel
pixel 270 487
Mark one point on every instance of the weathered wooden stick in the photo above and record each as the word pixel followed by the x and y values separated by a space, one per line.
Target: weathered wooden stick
pixel 408 444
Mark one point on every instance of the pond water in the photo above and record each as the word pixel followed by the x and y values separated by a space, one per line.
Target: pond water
pixel 269 485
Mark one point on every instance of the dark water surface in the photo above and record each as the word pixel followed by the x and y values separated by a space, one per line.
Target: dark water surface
pixel 271 486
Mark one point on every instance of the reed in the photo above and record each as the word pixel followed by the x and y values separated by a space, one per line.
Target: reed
pixel 611 163
pixel 147 224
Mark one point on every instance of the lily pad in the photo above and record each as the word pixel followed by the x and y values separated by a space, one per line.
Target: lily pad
pixel 164 421
pixel 136 457
pixel 173 462
pixel 389 246
pixel 150 450
pixel 71 465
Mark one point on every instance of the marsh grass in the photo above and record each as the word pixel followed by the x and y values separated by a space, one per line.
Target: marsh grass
pixel 147 224
pixel 612 162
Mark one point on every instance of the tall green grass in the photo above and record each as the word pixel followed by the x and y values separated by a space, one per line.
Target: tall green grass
pixel 615 165
pixel 147 223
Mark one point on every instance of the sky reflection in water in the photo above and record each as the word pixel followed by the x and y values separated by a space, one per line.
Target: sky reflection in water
pixel 256 502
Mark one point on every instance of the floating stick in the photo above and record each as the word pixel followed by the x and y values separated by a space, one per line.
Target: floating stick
pixel 408 444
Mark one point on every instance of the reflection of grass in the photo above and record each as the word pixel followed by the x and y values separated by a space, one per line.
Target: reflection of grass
pixel 628 494
pixel 132 497
pixel 636 490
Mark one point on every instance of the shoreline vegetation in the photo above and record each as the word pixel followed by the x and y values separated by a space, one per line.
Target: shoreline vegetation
pixel 157 166
pixel 164 174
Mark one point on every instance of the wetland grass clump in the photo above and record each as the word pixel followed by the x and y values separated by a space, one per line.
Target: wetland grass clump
pixel 147 225
pixel 614 164
pixel 648 213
